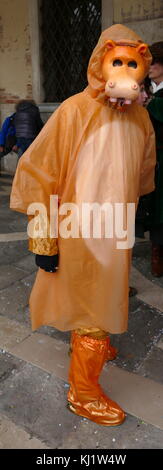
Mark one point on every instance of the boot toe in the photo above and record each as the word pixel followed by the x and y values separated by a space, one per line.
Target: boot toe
pixel 103 411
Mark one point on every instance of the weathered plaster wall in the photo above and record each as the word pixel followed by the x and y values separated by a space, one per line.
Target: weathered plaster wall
pixel 15 54
pixel 143 16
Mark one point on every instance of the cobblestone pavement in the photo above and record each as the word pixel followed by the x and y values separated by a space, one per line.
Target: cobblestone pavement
pixel 33 366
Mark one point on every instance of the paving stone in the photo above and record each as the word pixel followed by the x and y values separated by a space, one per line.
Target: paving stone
pixel 141 260
pixel 13 301
pixel 144 330
pixel 28 282
pixel 14 437
pixel 153 297
pixel 13 236
pixel 8 365
pixel 152 367
pixel 32 398
pixel 16 222
pixel 9 274
pixel 11 333
pixel 45 352
pixel 160 343
pixel 148 292
pixel 132 434
pixel 52 356
pixel 53 333
pixel 27 263
pixel 36 402
pixel 139 281
pixel 138 396
pixel 11 252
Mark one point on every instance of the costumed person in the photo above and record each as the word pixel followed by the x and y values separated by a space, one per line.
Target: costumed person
pixel 155 109
pixel 98 147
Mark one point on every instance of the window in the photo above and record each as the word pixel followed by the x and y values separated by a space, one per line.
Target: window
pixel 69 33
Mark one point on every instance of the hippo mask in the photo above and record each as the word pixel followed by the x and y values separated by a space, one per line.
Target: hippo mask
pixel 123 69
pixel 118 65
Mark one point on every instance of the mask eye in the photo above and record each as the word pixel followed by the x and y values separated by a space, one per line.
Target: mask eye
pixel 132 64
pixel 117 63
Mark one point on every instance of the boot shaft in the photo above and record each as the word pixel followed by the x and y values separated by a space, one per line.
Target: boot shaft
pixel 85 396
pixel 87 360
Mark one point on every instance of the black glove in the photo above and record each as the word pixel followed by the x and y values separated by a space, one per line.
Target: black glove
pixel 48 263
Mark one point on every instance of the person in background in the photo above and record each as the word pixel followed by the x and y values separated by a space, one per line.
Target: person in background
pixel 143 95
pixel 142 206
pixel 143 209
pixel 8 141
pixel 155 109
pixel 28 123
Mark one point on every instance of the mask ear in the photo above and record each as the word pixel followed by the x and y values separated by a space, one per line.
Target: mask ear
pixel 110 44
pixel 142 49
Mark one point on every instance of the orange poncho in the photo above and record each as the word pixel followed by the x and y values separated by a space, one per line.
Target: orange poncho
pixel 87 152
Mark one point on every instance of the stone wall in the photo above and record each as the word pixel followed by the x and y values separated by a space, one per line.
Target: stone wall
pixel 15 54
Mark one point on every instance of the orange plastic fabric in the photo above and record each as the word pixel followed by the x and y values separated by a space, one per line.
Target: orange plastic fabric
pixel 86 397
pixel 96 334
pixel 87 152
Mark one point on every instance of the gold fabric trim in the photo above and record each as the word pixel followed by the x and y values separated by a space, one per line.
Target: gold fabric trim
pixel 43 246
pixel 93 332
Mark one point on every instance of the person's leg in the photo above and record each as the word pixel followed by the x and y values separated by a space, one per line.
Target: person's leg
pixel 85 397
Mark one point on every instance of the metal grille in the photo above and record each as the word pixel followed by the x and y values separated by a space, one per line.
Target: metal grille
pixel 69 32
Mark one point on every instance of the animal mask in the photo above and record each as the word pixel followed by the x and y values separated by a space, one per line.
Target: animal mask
pixel 119 63
pixel 123 69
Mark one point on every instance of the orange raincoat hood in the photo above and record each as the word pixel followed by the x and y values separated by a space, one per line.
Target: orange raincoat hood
pixel 120 34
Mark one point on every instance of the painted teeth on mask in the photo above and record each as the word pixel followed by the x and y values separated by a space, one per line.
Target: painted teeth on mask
pixel 127 101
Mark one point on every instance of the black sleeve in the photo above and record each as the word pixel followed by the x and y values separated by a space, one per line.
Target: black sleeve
pixel 48 263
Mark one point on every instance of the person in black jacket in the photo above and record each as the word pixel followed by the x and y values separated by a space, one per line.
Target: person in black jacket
pixel 150 209
pixel 155 109
pixel 28 123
